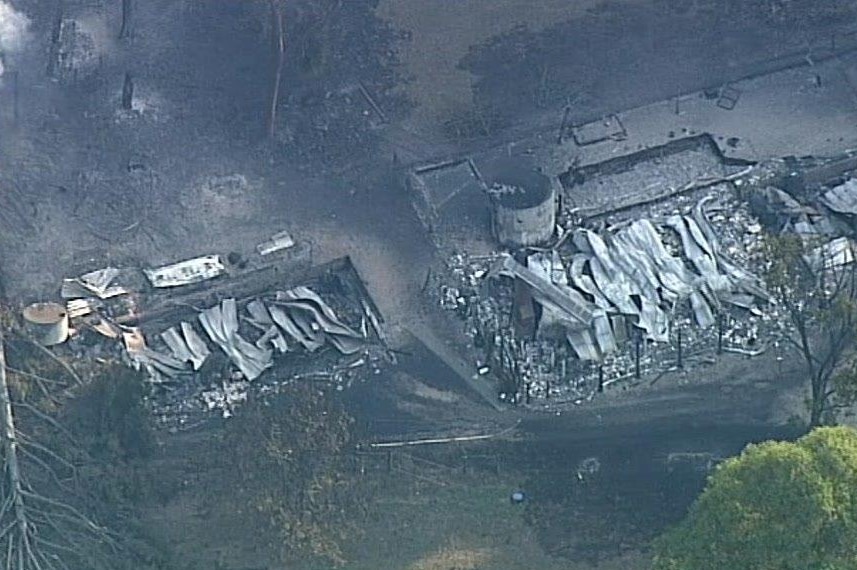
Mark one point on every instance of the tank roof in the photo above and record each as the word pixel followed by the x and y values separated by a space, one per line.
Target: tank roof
pixel 519 186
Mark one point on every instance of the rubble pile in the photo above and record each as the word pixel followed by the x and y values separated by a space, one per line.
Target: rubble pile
pixel 653 178
pixel 244 340
pixel 74 55
pixel 627 297
pixel 208 358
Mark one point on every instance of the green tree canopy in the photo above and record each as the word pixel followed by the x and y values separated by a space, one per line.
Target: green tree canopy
pixel 778 506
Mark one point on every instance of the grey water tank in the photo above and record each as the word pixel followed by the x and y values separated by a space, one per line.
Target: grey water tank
pixel 523 205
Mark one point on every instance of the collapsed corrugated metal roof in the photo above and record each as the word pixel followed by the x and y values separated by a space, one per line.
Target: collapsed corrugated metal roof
pixel 300 313
pixel 622 282
pixel 569 301
pixel 186 345
pixel 177 355
pixel 312 315
pixel 832 255
pixel 843 198
pixel 186 272
pixel 159 367
pixel 93 284
pixel 221 324
pixel 632 273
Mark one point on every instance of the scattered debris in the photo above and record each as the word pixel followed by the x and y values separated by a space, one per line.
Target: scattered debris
pixel 220 322
pixel 95 283
pixel 186 272
pixel 639 292
pixel 204 348
pixel 588 467
pixel 277 242
pixel 610 128
pixel 832 255
pixel 843 198
pixel 105 328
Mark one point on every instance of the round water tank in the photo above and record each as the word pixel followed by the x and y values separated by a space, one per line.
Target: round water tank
pixel 523 206
pixel 47 322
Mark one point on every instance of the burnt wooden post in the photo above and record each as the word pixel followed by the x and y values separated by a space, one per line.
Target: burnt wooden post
pixel 125 28
pixel 128 92
pixel 719 333
pixel 680 360
pixel 563 125
pixel 601 377
pixel 637 342
pixel 15 97
pixel 279 30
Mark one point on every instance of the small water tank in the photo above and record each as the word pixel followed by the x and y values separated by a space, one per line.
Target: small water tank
pixel 47 323
pixel 523 205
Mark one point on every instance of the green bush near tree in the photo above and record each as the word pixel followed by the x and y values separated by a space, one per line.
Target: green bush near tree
pixel 777 506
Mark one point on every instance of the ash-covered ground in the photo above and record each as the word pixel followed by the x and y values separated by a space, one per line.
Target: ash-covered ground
pixel 368 89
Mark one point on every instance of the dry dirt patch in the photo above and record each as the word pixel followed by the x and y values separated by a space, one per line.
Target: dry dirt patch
pixel 460 558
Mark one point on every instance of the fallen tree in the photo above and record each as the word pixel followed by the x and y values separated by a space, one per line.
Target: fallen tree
pixel 39 530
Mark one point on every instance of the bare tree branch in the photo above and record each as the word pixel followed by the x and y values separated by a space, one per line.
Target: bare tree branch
pixel 278 28
pixel 25 514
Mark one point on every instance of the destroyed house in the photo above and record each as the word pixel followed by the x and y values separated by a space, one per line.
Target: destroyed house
pixel 204 338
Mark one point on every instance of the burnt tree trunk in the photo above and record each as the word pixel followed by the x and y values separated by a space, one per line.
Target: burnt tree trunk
pixel 279 32
pixel 128 93
pixel 125 28
pixel 12 470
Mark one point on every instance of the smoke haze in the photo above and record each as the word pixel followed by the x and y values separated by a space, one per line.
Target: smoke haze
pixel 14 28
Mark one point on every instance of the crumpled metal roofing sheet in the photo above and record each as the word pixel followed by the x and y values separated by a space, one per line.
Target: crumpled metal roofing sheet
pixel 576 307
pixel 93 284
pixel 582 343
pixel 221 324
pixel 705 263
pixel 193 351
pixel 836 253
pixel 674 277
pixel 278 241
pixel 197 346
pixel 259 313
pixel 186 272
pixel 326 318
pixel 584 282
pixel 843 198
pixel 285 322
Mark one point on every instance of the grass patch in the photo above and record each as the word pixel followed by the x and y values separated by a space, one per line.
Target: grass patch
pixel 467 525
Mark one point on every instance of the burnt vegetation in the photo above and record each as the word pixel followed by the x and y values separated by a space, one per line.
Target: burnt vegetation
pixel 291 466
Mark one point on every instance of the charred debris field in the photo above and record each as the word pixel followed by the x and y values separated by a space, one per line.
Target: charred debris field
pixel 385 284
